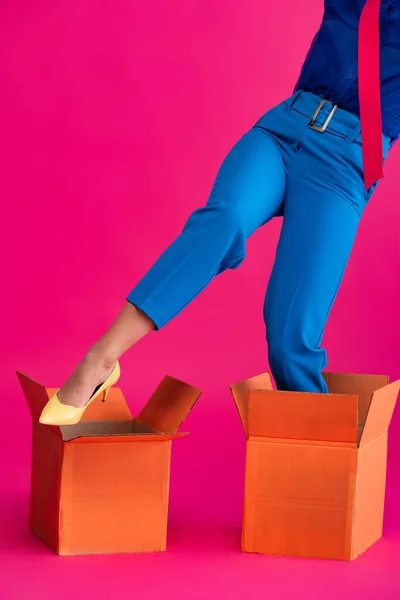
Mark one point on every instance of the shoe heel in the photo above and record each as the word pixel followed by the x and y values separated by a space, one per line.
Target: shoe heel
pixel 105 394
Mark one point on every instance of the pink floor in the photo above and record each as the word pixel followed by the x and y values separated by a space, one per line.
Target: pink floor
pixel 203 560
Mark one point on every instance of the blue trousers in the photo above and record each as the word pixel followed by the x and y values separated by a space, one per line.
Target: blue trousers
pixel 281 167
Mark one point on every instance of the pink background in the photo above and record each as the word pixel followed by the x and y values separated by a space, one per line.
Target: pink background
pixel 115 117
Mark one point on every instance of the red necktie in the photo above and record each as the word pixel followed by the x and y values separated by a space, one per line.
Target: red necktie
pixel 369 92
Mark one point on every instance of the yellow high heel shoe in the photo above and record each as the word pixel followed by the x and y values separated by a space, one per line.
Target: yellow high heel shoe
pixel 57 413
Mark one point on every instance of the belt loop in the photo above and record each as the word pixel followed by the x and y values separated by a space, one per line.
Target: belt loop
pixel 353 133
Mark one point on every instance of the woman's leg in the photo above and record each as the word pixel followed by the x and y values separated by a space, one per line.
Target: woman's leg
pixel 319 228
pixel 248 192
pixel 127 329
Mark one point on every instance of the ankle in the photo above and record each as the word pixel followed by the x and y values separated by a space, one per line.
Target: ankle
pixel 102 356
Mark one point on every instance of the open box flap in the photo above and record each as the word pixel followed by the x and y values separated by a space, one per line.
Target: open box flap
pixel 303 416
pixel 113 431
pixel 121 438
pixel 131 439
pixel 169 405
pixel 380 411
pixel 103 427
pixel 240 393
pixel 36 396
pixel 96 428
pixel 361 385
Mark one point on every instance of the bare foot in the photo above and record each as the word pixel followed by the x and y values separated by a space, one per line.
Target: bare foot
pixel 91 372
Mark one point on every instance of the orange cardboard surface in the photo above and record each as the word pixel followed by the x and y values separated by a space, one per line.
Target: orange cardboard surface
pixel 315 465
pixel 102 486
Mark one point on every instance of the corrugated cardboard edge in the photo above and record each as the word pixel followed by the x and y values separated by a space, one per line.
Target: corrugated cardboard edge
pixel 361 385
pixel 380 412
pixel 240 394
pixel 36 397
pixel 123 438
pixel 169 405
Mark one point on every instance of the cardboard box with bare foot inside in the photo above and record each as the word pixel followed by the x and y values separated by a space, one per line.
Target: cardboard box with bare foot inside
pixel 102 486
pixel 315 465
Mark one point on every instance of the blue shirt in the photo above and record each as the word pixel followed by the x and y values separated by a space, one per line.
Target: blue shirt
pixel 331 64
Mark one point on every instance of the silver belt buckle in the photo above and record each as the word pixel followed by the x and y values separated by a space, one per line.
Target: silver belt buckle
pixel 328 118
